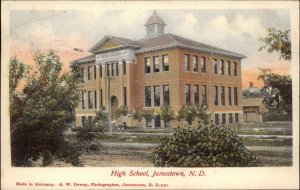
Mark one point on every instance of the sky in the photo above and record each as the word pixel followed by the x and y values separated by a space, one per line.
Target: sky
pixel 232 29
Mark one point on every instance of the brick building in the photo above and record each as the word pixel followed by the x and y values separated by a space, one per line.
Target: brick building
pixel 159 69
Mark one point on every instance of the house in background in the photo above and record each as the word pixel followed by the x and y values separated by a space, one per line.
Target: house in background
pixel 253 106
pixel 160 69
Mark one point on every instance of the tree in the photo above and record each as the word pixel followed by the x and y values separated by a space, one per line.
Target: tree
pixel 278 41
pixel 137 114
pixel 43 111
pixel 202 147
pixel 166 114
pixel 191 112
pixel 277 91
pixel 101 120
pixel 122 111
pixel 148 114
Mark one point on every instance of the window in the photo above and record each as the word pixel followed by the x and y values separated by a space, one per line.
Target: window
pixel 229 96
pixel 223 118
pixel 147 65
pixel 107 70
pixel 217 119
pixel 165 60
pixel 230 118
pixel 95 98
pixel 228 68
pixel 204 102
pixel 95 73
pixel 222 95
pixel 83 74
pixel 124 67
pixel 222 67
pixel 166 95
pixel 148 96
pixel 100 71
pixel 215 66
pixel 89 72
pixel 235 98
pixel 156 64
pixel 83 121
pixel 186 62
pixel 82 100
pixel 112 69
pixel 236 117
pixel 90 101
pixel 203 64
pixel 187 94
pixel 101 97
pixel 195 63
pixel 235 69
pixel 125 96
pixel 156 95
pixel 117 68
pixel 216 102
pixel 196 94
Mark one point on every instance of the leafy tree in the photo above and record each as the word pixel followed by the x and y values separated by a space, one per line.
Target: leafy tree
pixel 166 114
pixel 191 112
pixel 277 91
pixel 122 111
pixel 137 114
pixel 202 147
pixel 101 120
pixel 148 114
pixel 43 111
pixel 278 41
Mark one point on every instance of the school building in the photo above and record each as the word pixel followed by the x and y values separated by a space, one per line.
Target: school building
pixel 160 69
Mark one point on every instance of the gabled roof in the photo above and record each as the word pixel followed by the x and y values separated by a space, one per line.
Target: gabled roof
pixel 168 41
pixel 86 59
pixel 123 41
pixel 155 19
pixel 164 41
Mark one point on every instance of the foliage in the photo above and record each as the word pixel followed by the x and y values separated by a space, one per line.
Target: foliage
pixel 43 111
pixel 277 91
pixel 276 116
pixel 18 71
pixel 122 111
pixel 138 114
pixel 148 114
pixel 85 137
pixel 101 120
pixel 202 147
pixel 278 41
pixel 191 112
pixel 167 114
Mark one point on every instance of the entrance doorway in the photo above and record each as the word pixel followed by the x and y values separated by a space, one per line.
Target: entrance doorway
pixel 114 107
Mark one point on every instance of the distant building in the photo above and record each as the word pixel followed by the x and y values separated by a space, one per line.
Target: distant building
pixel 160 69
pixel 253 106
pixel 252 92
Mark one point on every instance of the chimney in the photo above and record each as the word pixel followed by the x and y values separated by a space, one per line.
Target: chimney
pixel 251 84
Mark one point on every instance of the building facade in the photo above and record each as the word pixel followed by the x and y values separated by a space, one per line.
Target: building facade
pixel 253 106
pixel 160 69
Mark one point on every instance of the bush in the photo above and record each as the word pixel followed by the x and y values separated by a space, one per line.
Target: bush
pixel 85 137
pixel 202 147
pixel 276 116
